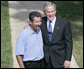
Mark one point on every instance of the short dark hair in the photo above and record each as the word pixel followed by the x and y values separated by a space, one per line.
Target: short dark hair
pixel 34 14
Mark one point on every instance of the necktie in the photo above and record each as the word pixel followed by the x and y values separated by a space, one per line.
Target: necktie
pixel 50 31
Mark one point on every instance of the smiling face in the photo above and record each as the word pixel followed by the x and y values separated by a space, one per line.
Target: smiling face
pixel 36 23
pixel 50 12
pixel 35 20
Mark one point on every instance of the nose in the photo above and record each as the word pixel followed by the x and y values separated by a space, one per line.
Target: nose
pixel 39 23
pixel 50 14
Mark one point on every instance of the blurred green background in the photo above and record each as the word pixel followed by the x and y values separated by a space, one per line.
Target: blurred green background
pixel 6 48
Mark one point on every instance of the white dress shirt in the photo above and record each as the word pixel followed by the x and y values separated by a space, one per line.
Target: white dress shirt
pixel 52 24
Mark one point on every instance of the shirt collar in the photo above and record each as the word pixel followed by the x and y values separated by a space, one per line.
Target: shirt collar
pixel 32 32
pixel 52 20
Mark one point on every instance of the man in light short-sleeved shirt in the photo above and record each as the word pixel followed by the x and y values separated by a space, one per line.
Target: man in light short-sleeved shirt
pixel 29 46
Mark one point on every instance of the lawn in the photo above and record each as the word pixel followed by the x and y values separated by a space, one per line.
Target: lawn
pixel 6 48
pixel 73 11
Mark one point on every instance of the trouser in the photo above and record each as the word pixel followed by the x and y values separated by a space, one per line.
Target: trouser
pixel 35 64
pixel 48 64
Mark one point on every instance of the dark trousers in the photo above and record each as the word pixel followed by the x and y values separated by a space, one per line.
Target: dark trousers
pixel 35 64
pixel 48 64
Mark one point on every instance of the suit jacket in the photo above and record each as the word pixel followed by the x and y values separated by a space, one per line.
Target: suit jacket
pixel 60 48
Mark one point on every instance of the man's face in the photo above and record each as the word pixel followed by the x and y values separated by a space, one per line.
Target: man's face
pixel 36 23
pixel 50 12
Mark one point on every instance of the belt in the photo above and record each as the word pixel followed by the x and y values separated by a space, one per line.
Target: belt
pixel 34 61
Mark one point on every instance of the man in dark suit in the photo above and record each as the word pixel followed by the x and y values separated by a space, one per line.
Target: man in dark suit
pixel 57 38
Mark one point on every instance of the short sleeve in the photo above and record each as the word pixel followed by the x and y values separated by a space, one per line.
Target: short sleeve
pixel 20 44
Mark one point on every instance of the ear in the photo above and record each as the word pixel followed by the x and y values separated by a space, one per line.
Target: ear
pixel 30 23
pixel 55 12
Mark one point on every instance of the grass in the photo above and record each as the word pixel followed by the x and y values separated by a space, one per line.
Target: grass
pixel 6 48
pixel 73 11
pixel 77 33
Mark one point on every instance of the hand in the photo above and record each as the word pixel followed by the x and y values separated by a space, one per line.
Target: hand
pixel 22 66
pixel 66 64
pixel 25 26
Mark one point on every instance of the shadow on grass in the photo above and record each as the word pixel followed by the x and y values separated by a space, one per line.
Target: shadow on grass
pixel 4 4
pixel 77 30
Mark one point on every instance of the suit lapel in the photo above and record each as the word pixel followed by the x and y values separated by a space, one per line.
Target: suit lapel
pixel 46 30
pixel 55 29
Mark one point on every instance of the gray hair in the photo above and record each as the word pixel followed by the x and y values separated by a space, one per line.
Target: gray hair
pixel 47 4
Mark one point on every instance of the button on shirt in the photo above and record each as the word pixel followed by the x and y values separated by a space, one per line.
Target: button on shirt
pixel 52 24
pixel 30 45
